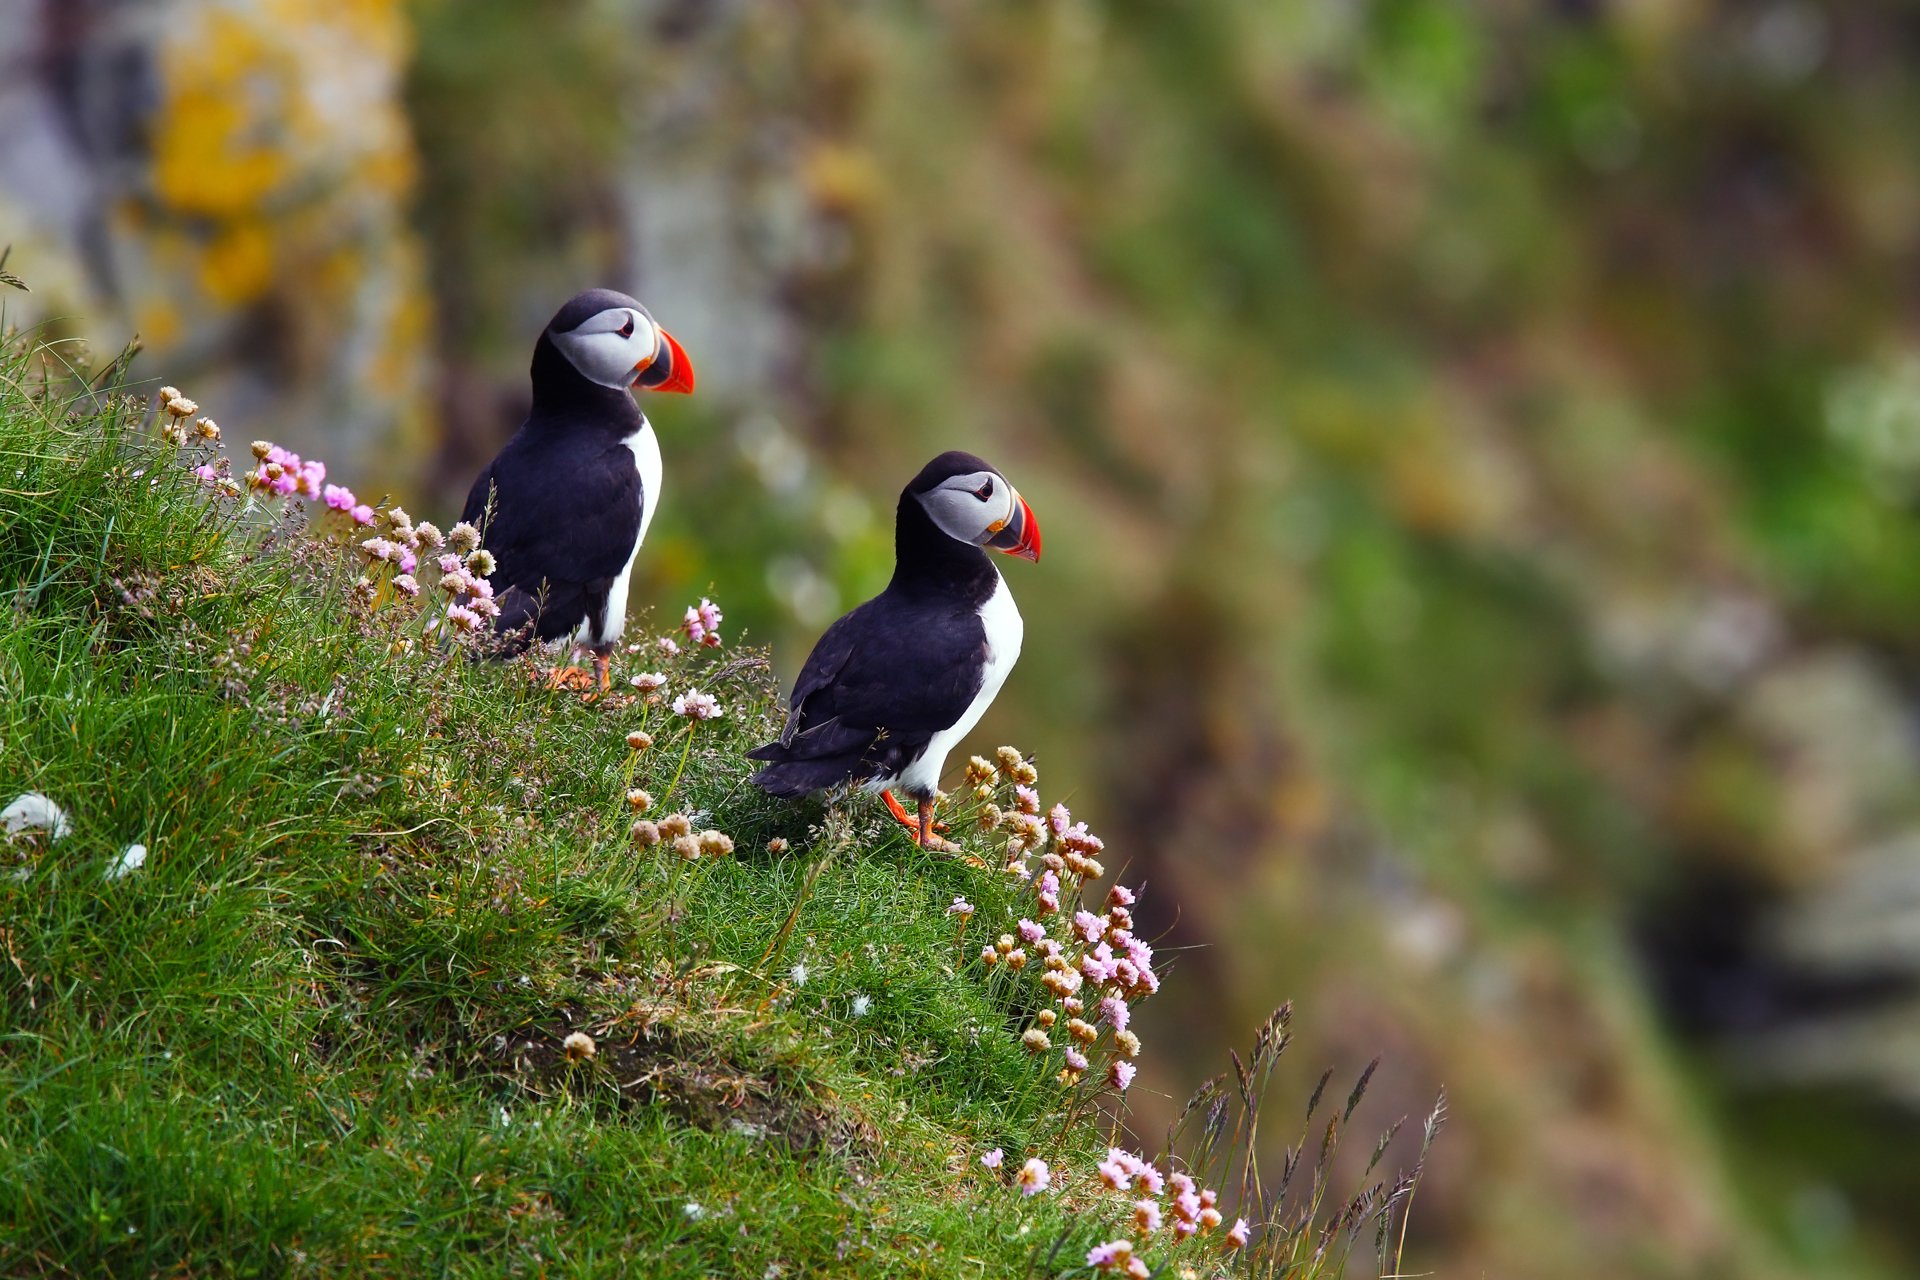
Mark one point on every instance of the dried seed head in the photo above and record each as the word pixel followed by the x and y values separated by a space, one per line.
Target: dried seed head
pixel 1004 942
pixel 1082 1030
pixel 639 740
pixel 639 801
pixel 675 825
pixel 1016 960
pixel 715 844
pixel 778 845
pixel 688 847
pixel 481 560
pixel 1046 1018
pixel 207 428
pixel 580 1047
pixel 181 407
pixel 645 834
pixel 1026 774
pixel 1128 1043
pixel 261 448
pixel 1036 1040
pixel 1009 760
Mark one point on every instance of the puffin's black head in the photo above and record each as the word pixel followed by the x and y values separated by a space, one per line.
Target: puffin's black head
pixel 971 502
pixel 612 340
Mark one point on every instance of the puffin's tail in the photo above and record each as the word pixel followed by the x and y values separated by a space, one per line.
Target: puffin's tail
pixel 791 777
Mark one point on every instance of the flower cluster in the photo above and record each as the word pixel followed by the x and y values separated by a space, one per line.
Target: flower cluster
pixel 175 409
pixel 282 472
pixel 677 833
pixel 702 623
pixel 1193 1210
pixel 1092 965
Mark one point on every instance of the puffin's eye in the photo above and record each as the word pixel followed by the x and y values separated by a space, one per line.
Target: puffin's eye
pixel 626 330
pixel 985 490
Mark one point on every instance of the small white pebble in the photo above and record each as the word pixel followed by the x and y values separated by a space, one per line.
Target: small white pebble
pixel 34 811
pixel 131 859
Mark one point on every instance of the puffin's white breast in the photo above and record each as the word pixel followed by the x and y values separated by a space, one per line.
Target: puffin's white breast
pixel 645 447
pixel 1005 630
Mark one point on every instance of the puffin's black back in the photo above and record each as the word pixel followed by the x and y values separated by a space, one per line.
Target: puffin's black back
pixel 565 495
pixel 896 670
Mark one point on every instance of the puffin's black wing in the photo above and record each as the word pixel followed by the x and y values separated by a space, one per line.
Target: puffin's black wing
pixel 879 684
pixel 565 515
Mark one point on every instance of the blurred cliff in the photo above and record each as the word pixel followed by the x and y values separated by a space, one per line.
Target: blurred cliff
pixel 1478 448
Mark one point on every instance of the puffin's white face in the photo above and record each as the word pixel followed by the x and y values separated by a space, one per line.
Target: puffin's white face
pixel 612 348
pixel 981 508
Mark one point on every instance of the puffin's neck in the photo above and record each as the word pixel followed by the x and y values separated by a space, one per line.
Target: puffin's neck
pixel 560 391
pixel 927 561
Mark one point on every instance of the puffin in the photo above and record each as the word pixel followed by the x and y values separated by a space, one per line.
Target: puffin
pixel 566 503
pixel 891 687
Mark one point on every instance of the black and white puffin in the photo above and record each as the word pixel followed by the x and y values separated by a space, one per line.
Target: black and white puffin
pixel 565 505
pixel 895 684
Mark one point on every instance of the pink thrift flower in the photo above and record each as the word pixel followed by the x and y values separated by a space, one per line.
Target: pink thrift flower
pixel 1057 818
pixel 1026 799
pixel 1078 837
pixel 407 561
pixel 463 619
pixel 1184 1227
pixel 1148 1179
pixel 1115 1172
pixel 338 497
pixel 1110 1256
pixel 1049 890
pixel 668 648
pixel 702 623
pixel 1089 926
pixel 1076 1060
pixel 1238 1233
pixel 1120 896
pixel 1031 932
pixel 1034 1177
pixel 1182 1185
pixel 362 514
pixel 448 564
pixel 1115 1011
pixel 1121 1074
pixel 960 907
pixel 205 472
pixel 993 1158
pixel 405 585
pixel 697 706
pixel 1146 1216
pixel 311 476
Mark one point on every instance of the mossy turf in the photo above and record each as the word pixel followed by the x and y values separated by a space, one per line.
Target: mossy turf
pixel 320 1030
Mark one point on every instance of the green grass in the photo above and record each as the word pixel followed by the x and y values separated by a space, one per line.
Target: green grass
pixel 320 1031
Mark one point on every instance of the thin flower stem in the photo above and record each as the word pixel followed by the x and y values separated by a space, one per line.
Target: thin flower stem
pixel 685 751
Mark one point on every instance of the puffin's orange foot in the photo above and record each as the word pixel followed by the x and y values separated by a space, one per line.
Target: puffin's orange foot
pixel 927 826
pixel 905 819
pixel 566 678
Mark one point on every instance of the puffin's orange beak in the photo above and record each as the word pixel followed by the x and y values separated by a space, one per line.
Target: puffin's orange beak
pixel 677 375
pixel 1020 536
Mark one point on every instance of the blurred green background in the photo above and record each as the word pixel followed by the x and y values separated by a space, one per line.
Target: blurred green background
pixel 1478 447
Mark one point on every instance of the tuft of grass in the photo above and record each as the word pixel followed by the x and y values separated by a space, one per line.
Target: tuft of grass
pixel 323 1029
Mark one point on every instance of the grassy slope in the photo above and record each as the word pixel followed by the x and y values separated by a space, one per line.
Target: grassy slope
pixel 320 1030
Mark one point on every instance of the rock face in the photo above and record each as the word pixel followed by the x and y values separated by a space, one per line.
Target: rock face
pixel 231 182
